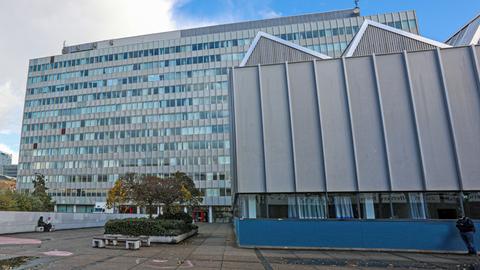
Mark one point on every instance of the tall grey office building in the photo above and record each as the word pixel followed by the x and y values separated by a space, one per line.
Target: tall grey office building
pixel 154 104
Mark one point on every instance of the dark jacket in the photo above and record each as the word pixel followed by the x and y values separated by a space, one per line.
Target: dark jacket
pixel 465 225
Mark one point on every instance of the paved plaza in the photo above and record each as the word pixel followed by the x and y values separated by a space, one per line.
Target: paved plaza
pixel 213 248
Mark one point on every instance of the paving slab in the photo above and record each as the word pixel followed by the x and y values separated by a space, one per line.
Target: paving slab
pixel 213 248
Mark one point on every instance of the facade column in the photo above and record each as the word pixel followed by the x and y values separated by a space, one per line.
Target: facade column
pixel 138 209
pixel 55 208
pixel 161 210
pixel 74 208
pixel 210 214
pixel 158 210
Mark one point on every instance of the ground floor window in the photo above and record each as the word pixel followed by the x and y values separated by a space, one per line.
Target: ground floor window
pixel 65 208
pixel 471 204
pixel 373 205
pixel 85 208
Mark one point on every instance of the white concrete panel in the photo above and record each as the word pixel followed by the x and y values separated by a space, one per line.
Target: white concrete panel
pixel 432 117
pixel 464 97
pixel 371 161
pixel 306 125
pixel 339 162
pixel 17 222
pixel 401 139
pixel 249 138
pixel 279 165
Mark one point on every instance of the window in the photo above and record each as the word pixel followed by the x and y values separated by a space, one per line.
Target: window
pixel 443 205
pixel 471 204
pixel 281 206
pixel 375 205
pixel 408 205
pixel 342 206
pixel 311 206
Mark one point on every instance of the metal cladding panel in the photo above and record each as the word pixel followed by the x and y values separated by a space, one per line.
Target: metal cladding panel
pixel 306 128
pixel 464 99
pixel 433 123
pixel 372 172
pixel 269 51
pixel 410 111
pixel 399 122
pixel 337 139
pixel 248 127
pixel 467 34
pixel 279 164
pixel 391 42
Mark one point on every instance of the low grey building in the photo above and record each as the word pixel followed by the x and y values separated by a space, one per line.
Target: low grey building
pixel 388 133
pixel 5 159
pixel 10 170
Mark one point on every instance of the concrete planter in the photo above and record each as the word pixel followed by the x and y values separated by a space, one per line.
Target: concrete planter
pixel 173 239
pixel 164 239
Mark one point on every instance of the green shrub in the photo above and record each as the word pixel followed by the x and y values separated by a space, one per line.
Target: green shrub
pixel 145 226
pixel 177 216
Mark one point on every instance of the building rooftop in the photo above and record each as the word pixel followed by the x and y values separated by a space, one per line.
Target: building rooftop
pixel 339 14
pixel 469 34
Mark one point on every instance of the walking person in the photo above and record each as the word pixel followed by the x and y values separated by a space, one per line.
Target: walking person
pixel 467 232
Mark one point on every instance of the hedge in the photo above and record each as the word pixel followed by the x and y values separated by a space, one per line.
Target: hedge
pixel 177 216
pixel 145 226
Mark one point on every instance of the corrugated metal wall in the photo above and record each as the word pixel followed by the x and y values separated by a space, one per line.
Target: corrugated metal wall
pixel 391 42
pixel 396 122
pixel 268 51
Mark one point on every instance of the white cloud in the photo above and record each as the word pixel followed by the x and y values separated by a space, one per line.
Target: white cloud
pixel 33 29
pixel 4 148
pixel 268 14
pixel 11 105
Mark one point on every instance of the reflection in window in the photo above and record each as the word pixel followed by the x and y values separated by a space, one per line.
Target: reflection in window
pixel 443 205
pixel 342 206
pixel 417 206
pixel 281 206
pixel 375 205
pixel 311 207
pixel 471 204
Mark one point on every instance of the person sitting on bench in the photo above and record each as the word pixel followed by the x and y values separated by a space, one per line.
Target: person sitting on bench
pixel 46 226
pixel 49 224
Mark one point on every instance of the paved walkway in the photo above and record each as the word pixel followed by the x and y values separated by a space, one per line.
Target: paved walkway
pixel 213 248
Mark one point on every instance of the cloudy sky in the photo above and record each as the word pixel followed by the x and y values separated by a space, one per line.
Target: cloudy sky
pixel 37 28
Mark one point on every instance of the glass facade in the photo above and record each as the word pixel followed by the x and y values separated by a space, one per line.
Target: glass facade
pixel 395 205
pixel 158 106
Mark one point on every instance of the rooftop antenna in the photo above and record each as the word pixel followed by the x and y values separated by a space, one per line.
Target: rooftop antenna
pixel 357 3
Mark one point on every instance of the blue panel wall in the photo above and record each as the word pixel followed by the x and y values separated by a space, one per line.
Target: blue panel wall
pixel 367 234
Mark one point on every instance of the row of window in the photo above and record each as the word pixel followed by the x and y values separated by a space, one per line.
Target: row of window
pixel 135 67
pixel 166 103
pixel 77 192
pixel 329 49
pixel 140 53
pixel 126 120
pixel 70 192
pixel 221 85
pixel 396 205
pixel 408 25
pixel 130 80
pixel 222 178
pixel 90 136
pixel 130 148
pixel 115 163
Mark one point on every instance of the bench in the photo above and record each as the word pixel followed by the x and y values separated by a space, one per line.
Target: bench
pixel 98 242
pixel 130 242
pixel 146 240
